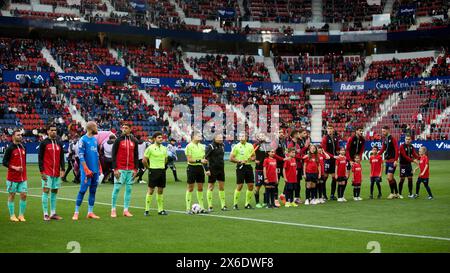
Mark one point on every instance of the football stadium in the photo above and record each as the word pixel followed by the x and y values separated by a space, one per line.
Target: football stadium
pixel 228 126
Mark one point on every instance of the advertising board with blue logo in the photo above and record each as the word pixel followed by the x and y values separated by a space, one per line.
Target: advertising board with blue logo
pixel 114 73
pixel 80 78
pixel 434 147
pixel 149 82
pixel 318 80
pixel 397 85
pixel 15 76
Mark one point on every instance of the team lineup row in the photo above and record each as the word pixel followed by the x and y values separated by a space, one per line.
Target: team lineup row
pixel 294 158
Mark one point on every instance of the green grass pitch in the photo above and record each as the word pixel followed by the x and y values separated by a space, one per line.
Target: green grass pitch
pixel 396 225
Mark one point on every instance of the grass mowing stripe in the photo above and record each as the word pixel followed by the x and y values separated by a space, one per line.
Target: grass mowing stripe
pixel 274 222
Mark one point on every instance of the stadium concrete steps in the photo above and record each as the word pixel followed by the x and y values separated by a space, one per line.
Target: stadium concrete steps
pixel 190 69
pixel 427 71
pixel 241 7
pixel 318 104
pixel 178 9
pixel 109 6
pixel 115 54
pixel 74 113
pixel 274 76
pixel 317 11
pixel 368 62
pixel 438 120
pixel 51 60
pixel 388 7
pixel 385 109
pixel 176 132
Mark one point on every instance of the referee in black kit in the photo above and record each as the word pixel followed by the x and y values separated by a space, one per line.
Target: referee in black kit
pixel 215 153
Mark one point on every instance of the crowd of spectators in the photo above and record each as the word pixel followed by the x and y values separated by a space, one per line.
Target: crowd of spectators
pixel 220 67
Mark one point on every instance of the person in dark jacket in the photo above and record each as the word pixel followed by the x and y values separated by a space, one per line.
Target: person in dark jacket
pixel 51 167
pixel 16 180
pixel 125 159
pixel 214 153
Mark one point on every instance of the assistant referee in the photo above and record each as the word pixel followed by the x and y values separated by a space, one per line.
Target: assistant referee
pixel 155 159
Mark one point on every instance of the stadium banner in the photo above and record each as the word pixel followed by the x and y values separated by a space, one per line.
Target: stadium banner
pixel 15 76
pixel 226 13
pixel 406 10
pixel 395 85
pixel 437 149
pixel 138 5
pixel 79 78
pixel 352 86
pixel 318 80
pixel 254 86
pixel 150 82
pixel 398 85
pixel 114 73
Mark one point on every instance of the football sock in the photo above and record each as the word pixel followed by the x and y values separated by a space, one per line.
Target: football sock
pixel 22 206
pixel 428 189
pixel 160 202
pixel 45 203
pixel 333 186
pixel 127 196
pixel 200 199
pixel 53 203
pixel 410 185
pixel 188 200
pixel 222 198
pixel 417 187
pixel 11 208
pixel 248 197
pixel 395 186
pixel 237 195
pixel 148 201
pixel 257 197
pixel 115 193
pixel 209 198
pixel 371 187
pixel 400 185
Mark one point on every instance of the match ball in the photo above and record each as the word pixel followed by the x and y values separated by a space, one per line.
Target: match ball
pixel 196 208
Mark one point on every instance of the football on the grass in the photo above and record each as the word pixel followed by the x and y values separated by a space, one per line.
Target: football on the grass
pixel 196 208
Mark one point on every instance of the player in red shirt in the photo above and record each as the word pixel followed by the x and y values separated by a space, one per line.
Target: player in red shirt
pixel 341 174
pixel 290 177
pixel 321 183
pixel 357 178
pixel 270 178
pixel 424 175
pixel 376 169
pixel 312 171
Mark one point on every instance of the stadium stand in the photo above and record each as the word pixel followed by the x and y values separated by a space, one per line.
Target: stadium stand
pixel 32 108
pixel 149 61
pixel 442 65
pixel 344 68
pixel 205 9
pixel 419 106
pixel 396 69
pixel 221 67
pixel 22 54
pixel 355 11
pixel 280 11
pixel 80 56
pixel 348 110
pixel 440 131
pixel 111 104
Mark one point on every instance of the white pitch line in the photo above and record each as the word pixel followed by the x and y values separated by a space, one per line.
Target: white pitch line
pixel 276 222
pixel 40 188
